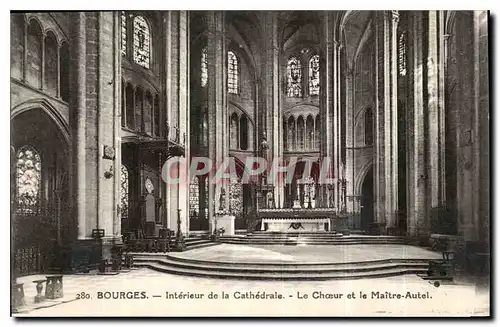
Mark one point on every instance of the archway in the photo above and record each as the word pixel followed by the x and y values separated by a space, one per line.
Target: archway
pixel 367 200
pixel 39 183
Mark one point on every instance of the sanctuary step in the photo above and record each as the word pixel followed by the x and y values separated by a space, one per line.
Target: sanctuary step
pixel 196 243
pixel 280 271
pixel 308 238
pixel 145 245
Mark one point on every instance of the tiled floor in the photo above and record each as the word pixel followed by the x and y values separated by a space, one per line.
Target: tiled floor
pixel 444 300
pixel 308 253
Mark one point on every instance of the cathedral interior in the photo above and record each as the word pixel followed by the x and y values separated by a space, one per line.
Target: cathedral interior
pixel 398 101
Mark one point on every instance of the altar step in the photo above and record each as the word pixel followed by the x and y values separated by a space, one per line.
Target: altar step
pixel 280 271
pixel 294 234
pixel 196 243
pixel 311 240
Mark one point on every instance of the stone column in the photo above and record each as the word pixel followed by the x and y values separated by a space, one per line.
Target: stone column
pixel 350 154
pixel 165 116
pixel 271 97
pixel 78 121
pixel 435 118
pixel 337 128
pixel 328 103
pixel 108 124
pixel 386 150
pixel 480 140
pixel 218 147
pixel 417 222
pixel 183 112
pixel 116 138
pixel 393 118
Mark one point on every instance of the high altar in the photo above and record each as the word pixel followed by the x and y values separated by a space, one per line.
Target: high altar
pixel 297 219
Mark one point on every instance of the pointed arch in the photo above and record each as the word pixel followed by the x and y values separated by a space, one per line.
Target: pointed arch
pixel 50 58
pixel 360 178
pixel 59 120
pixel 234 130
pixel 17 45
pixel 34 53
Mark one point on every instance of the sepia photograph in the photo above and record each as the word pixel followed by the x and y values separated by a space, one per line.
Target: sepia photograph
pixel 223 163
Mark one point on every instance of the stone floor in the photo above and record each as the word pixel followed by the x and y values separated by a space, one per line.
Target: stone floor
pixel 308 253
pixel 446 300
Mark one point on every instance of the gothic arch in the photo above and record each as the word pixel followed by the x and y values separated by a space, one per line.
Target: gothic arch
pixel 242 111
pixel 360 176
pixel 49 110
pixel 47 24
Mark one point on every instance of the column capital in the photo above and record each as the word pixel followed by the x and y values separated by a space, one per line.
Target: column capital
pixel 338 45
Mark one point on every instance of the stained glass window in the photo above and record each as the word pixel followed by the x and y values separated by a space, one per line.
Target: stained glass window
pixel 142 51
pixel 124 34
pixel 402 55
pixel 124 192
pixel 204 67
pixel 294 78
pixel 232 73
pixel 28 179
pixel 314 75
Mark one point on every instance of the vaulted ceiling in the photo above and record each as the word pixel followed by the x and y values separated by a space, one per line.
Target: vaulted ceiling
pixel 355 28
